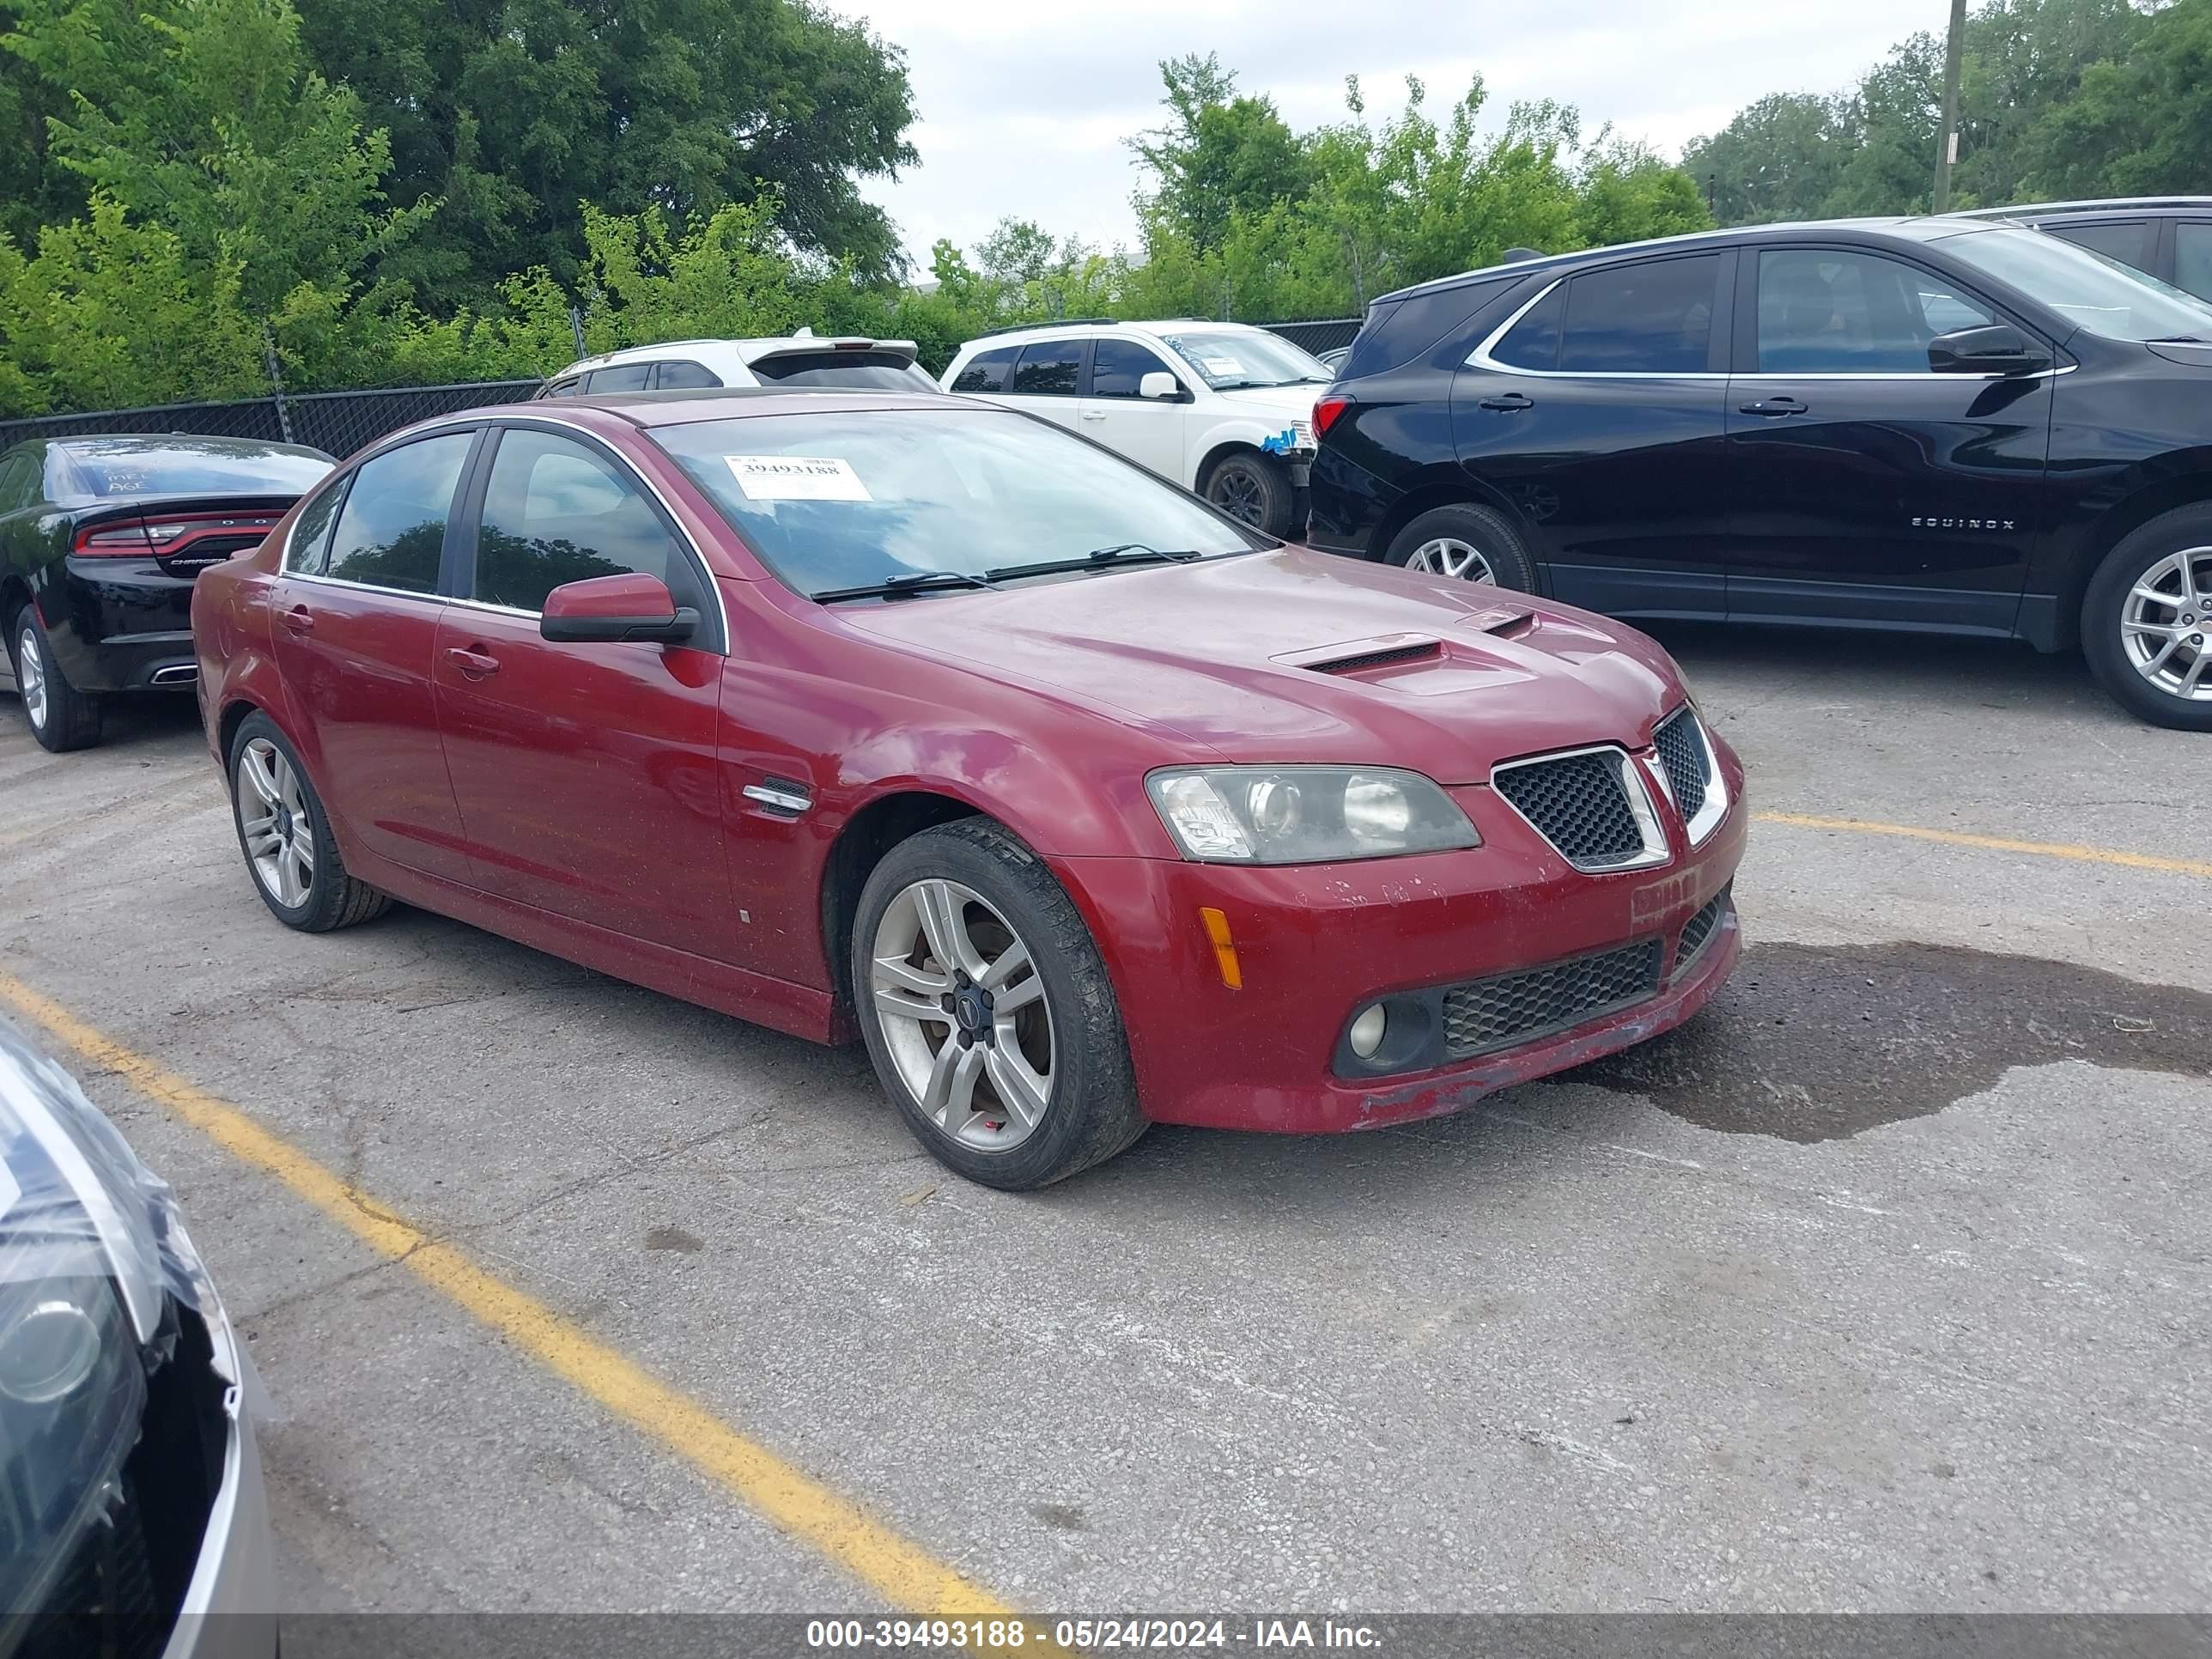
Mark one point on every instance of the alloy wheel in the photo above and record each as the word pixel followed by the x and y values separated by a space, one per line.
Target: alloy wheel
pixel 963 1013
pixel 1448 556
pixel 1237 493
pixel 2165 624
pixel 31 676
pixel 272 810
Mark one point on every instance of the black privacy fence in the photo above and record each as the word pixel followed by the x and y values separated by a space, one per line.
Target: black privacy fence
pixel 340 422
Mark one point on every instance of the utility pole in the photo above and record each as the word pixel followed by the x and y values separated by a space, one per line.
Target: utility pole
pixel 1947 156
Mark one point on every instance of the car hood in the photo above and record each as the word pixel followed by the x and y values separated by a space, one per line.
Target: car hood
pixel 1297 656
pixel 1290 402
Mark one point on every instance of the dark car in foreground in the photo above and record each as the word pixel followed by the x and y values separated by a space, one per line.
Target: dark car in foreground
pixel 100 540
pixel 925 721
pixel 133 1524
pixel 1942 425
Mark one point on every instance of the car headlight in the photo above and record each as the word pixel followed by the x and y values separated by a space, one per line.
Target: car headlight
pixel 1305 814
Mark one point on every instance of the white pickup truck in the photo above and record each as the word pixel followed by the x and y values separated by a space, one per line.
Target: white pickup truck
pixel 1224 409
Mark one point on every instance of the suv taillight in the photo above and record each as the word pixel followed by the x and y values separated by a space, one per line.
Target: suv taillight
pixel 1326 410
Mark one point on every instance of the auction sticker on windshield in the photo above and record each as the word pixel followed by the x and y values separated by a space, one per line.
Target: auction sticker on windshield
pixel 797 478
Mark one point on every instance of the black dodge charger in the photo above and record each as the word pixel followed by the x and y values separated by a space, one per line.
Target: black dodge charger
pixel 1930 424
pixel 100 540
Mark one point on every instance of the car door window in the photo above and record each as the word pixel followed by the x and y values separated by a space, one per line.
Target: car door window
pixel 683 376
pixel 623 377
pixel 1117 367
pixel 568 388
pixel 1048 368
pixel 2192 257
pixel 1656 318
pixel 987 370
pixel 2128 242
pixel 556 511
pixel 311 532
pixel 1827 311
pixel 392 527
pixel 1534 342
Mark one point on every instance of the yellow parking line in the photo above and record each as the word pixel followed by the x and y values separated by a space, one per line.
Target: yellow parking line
pixel 902 1573
pixel 2048 849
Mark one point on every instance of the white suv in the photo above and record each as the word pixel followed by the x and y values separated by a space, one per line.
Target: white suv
pixel 1224 409
pixel 801 359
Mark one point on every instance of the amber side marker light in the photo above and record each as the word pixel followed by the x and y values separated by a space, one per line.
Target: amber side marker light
pixel 1224 947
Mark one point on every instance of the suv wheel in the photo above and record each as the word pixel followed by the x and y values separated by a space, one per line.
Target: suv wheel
pixel 2147 620
pixel 1468 543
pixel 1253 489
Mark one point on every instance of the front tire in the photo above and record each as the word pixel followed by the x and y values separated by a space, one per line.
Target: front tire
pixel 286 836
pixel 2147 620
pixel 1252 489
pixel 1467 543
pixel 62 718
pixel 987 1011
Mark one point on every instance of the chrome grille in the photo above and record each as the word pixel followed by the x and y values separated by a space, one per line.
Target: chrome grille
pixel 1580 803
pixel 1698 930
pixel 1488 1014
pixel 1682 753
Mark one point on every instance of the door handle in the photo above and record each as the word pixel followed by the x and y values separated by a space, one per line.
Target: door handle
pixel 475 664
pixel 1509 403
pixel 1094 413
pixel 300 619
pixel 1782 405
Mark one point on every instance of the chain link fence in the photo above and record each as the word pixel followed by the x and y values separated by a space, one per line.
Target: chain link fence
pixel 340 422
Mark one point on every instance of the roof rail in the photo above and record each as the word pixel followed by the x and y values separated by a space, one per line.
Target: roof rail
pixel 1049 322
pixel 1513 256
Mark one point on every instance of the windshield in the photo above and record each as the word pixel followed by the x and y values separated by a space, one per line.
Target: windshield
pixel 851 498
pixel 2099 295
pixel 1228 358
pixel 856 371
pixel 121 466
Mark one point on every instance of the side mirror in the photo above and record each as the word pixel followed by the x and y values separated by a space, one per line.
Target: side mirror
pixel 632 606
pixel 1159 384
pixel 1991 349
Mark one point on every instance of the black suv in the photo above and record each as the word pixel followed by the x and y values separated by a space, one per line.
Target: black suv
pixel 1933 424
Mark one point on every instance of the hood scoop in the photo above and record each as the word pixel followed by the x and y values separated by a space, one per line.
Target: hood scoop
pixel 1357 656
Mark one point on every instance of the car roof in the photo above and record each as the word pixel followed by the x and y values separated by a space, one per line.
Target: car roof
pixel 2115 205
pixel 1923 228
pixel 647 410
pixel 747 349
pixel 1014 333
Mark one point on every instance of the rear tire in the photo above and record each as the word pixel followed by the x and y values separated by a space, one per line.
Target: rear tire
pixel 1465 543
pixel 279 818
pixel 1251 489
pixel 1025 983
pixel 2140 646
pixel 61 717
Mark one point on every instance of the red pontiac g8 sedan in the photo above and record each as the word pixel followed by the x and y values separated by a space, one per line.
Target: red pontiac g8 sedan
pixel 1084 805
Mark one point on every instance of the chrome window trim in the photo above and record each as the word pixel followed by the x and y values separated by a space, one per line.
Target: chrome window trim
pixel 366 587
pixel 462 424
pixel 1481 357
pixel 1634 786
pixel 1716 805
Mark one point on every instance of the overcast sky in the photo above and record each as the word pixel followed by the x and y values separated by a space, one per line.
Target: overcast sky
pixel 1024 106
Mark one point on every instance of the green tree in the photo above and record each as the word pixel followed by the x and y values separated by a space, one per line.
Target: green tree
pixel 1780 158
pixel 1217 154
pixel 2137 125
pixel 505 113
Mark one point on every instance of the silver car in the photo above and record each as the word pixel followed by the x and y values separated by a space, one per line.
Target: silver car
pixel 132 1517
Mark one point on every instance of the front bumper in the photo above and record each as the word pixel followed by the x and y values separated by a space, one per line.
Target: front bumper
pixel 120 625
pixel 1315 943
pixel 229 1609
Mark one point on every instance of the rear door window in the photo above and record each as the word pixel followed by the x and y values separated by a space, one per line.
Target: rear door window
pixel 987 370
pixel 393 528
pixel 1655 318
pixel 685 376
pixel 1534 342
pixel 1048 368
pixel 2128 241
pixel 2192 257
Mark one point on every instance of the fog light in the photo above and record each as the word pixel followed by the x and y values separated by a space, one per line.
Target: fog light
pixel 1367 1032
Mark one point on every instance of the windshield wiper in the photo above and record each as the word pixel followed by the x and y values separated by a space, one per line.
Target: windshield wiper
pixel 1097 559
pixel 2177 339
pixel 899 587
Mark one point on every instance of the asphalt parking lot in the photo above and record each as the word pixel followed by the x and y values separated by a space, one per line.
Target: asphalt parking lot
pixel 1887 1283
